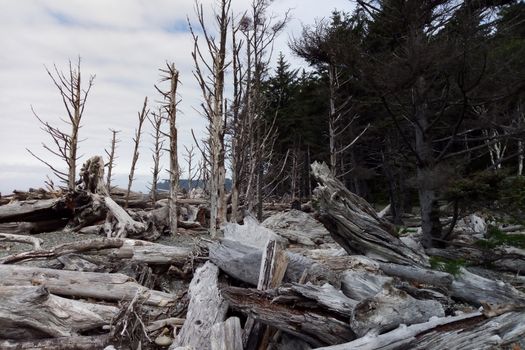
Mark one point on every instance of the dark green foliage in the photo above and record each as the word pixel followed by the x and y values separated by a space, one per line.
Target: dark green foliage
pixel 496 238
pixel 451 266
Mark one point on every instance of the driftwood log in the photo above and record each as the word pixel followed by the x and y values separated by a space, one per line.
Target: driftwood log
pixel 32 312
pixel 207 307
pixel 105 286
pixel 96 342
pixel 354 224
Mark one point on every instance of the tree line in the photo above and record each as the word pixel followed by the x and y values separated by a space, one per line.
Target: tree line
pixel 407 101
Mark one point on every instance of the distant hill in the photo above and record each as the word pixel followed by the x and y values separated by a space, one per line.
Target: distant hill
pixel 164 185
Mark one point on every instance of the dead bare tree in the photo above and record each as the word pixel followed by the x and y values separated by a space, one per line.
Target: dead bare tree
pixel 65 144
pixel 189 157
pixel 260 30
pixel 111 157
pixel 136 140
pixel 171 74
pixel 158 145
pixel 211 82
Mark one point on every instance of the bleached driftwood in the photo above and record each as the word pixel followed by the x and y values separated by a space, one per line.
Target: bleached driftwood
pixel 476 289
pixel 34 210
pixel 106 286
pixel 207 307
pixel 96 342
pixel 135 250
pixel 359 285
pixel 34 227
pixel 298 227
pixel 244 263
pixel 31 312
pixel 227 335
pixel 465 332
pixel 390 308
pixel 35 242
pixel 403 336
pixel 354 224
pixel 251 233
pixel 292 312
pixel 273 267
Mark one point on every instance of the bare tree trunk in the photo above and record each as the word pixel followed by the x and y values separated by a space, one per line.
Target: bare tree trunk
pixel 142 116
pixel 171 74
pixel 212 87
pixel 158 144
pixel 74 100
pixel 111 155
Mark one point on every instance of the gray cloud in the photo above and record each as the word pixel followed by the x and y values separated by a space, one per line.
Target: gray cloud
pixel 123 42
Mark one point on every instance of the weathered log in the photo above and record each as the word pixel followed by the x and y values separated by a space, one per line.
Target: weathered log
pixel 34 210
pixel 359 285
pixel 31 312
pixel 389 309
pixel 475 289
pixel 35 242
pixel 292 313
pixel 106 286
pixel 465 332
pixel 227 335
pixel 502 258
pixel 96 342
pixel 417 274
pixel 354 224
pixel 172 321
pixel 244 263
pixel 207 307
pixel 135 250
pixel 273 267
pixel 34 227
pixel 403 336
pixel 298 227
pixel 251 233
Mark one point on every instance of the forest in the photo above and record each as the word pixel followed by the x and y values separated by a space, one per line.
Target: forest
pixel 372 200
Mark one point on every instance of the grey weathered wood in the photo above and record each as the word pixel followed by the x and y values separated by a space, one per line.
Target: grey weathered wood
pixel 106 286
pixel 96 342
pixel 252 233
pixel 207 307
pixel 244 263
pixel 30 311
pixel 35 242
pixel 34 227
pixel 354 224
pixel 34 210
pixel 298 227
pixel 402 337
pixel 389 309
pixel 417 274
pixel 227 335
pixel 135 250
pixel 273 267
pixel 359 285
pixel 291 312
pixel 475 289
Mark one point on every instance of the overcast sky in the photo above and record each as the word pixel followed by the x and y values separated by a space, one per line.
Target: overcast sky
pixel 123 42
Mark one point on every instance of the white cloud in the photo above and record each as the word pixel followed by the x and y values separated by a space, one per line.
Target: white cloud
pixel 123 42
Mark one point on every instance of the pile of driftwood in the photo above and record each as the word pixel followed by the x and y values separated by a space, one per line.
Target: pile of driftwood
pixel 287 283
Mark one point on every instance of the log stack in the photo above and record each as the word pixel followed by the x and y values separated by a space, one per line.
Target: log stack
pixel 285 284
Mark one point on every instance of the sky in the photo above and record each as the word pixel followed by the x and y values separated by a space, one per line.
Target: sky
pixel 123 43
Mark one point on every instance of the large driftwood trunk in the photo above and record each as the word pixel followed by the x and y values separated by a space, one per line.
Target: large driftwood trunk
pixel 34 210
pixel 207 307
pixel 31 312
pixel 292 312
pixel 115 248
pixel 354 224
pixel 62 343
pixel 105 286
